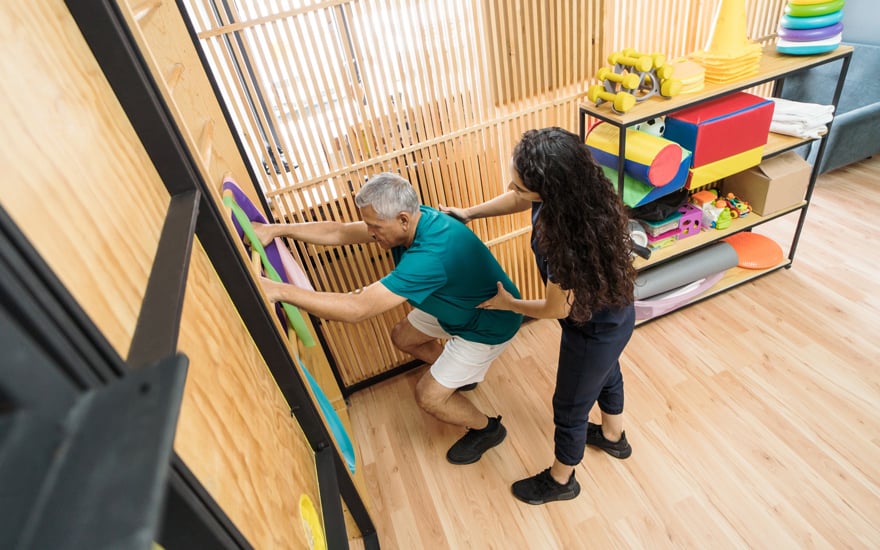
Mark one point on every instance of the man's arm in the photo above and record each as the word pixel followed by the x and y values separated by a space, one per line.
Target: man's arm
pixel 351 308
pixel 326 233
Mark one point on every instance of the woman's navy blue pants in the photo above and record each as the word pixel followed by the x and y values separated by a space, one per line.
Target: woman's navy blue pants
pixel 588 372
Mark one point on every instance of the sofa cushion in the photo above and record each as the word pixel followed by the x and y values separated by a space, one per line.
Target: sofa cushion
pixel 861 87
pixel 854 135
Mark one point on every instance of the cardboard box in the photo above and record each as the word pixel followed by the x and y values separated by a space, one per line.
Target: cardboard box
pixel 776 183
pixel 721 128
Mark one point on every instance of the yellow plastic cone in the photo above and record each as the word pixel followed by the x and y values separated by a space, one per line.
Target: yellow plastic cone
pixel 728 36
pixel 729 54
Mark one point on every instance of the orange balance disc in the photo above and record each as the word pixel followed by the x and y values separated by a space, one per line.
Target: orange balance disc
pixel 755 251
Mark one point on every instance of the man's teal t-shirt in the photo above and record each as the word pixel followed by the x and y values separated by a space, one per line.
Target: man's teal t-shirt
pixel 447 272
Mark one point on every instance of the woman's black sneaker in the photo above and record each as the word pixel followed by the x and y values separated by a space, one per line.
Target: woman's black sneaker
pixel 542 488
pixel 617 449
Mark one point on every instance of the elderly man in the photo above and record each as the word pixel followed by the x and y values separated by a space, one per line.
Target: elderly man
pixel 444 271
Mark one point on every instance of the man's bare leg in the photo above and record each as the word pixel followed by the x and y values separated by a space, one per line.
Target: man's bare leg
pixel 416 343
pixel 447 405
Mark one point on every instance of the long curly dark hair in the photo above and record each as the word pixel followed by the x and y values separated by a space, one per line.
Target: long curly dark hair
pixel 582 229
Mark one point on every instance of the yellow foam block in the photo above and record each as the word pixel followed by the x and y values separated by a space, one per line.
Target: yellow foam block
pixel 714 171
pixel 687 71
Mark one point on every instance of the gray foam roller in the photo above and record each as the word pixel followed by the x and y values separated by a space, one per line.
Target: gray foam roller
pixel 687 269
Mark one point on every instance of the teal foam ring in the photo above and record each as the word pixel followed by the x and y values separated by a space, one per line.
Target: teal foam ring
pixel 805 50
pixel 293 314
pixel 808 48
pixel 816 22
pixel 333 420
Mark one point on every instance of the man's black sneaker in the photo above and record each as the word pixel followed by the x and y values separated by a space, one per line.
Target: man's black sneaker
pixel 617 449
pixel 467 387
pixel 474 443
pixel 542 488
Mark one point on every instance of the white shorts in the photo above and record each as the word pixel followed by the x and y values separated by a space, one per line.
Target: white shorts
pixel 462 361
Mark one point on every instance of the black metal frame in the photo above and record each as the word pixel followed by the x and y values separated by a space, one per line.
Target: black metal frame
pixel 114 48
pixel 778 83
pixel 117 420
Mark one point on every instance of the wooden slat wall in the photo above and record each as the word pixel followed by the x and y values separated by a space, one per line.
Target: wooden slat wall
pixel 438 91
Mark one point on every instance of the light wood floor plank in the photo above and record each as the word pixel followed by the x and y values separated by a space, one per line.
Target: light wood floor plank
pixel 754 418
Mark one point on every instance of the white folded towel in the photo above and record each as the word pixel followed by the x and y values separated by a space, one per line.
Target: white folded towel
pixel 798 129
pixel 799 119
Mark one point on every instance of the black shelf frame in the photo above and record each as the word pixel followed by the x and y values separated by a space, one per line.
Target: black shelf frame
pixel 778 81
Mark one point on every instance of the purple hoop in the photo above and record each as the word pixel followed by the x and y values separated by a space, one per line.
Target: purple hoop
pixel 271 249
pixel 810 35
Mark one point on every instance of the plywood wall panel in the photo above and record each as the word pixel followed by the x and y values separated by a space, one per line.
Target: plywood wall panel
pixel 75 177
pixel 236 432
pixel 79 184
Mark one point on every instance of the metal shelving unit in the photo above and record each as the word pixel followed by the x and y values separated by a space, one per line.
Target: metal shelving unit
pixel 774 67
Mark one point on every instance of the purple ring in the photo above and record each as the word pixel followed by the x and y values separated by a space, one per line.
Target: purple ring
pixel 809 35
pixel 271 249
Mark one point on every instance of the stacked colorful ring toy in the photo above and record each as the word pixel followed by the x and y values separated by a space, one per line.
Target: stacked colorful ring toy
pixel 810 27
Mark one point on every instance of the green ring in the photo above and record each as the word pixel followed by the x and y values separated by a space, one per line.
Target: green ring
pixel 812 10
pixel 293 314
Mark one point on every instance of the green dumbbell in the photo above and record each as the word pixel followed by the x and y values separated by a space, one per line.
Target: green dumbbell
pixel 621 101
pixel 664 71
pixel 657 59
pixel 630 81
pixel 641 64
pixel 670 87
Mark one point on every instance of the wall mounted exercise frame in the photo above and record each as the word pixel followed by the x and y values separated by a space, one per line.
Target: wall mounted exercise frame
pixel 112 44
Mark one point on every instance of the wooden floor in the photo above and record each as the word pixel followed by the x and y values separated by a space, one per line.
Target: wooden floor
pixel 754 417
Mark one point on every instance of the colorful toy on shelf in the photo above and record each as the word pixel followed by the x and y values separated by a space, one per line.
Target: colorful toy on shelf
pixel 738 207
pixel 724 219
pixel 653 126
pixel 633 77
pixel 686 222
pixel 810 27
pixel 729 54
pixel 715 212
pixel 691 221
pixel 726 135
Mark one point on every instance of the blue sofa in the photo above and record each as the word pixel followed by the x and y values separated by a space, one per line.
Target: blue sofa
pixel 855 133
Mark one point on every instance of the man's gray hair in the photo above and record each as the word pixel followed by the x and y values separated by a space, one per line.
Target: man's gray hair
pixel 388 194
